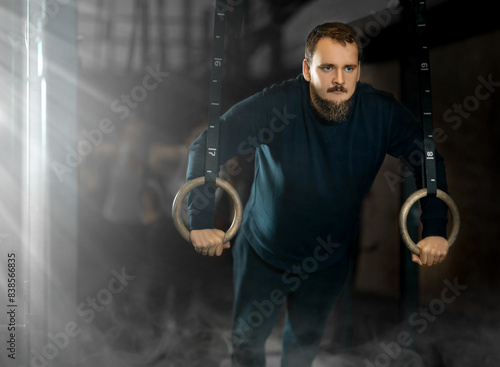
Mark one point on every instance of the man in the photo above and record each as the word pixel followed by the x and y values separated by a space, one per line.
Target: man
pixel 330 134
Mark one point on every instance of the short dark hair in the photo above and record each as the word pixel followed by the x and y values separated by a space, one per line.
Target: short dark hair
pixel 339 32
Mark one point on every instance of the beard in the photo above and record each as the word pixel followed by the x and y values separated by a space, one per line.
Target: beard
pixel 332 111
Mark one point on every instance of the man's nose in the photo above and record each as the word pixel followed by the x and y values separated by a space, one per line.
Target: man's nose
pixel 338 77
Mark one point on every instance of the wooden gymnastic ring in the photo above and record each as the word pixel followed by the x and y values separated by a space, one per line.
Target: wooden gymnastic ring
pixel 417 195
pixel 190 185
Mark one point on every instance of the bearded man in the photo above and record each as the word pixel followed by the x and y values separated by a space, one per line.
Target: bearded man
pixel 319 141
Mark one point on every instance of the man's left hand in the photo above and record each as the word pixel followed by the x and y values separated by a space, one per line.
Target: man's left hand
pixel 433 251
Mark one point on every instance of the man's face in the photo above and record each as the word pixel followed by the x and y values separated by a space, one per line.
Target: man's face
pixel 333 72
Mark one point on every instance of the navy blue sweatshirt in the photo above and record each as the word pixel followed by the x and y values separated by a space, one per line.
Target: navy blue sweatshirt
pixel 310 176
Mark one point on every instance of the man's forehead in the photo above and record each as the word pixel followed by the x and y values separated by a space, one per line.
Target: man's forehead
pixel 329 50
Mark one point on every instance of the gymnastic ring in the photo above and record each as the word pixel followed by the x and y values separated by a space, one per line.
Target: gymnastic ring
pixel 190 185
pixel 403 214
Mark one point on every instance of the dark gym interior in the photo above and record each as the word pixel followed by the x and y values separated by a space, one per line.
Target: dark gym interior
pixel 100 102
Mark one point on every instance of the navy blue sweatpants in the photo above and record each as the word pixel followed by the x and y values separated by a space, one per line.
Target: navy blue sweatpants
pixel 261 289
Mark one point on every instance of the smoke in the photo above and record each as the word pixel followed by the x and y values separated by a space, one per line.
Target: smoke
pixel 133 338
pixel 465 333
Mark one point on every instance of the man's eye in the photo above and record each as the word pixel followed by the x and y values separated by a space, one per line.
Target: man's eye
pixel 327 68
pixel 349 69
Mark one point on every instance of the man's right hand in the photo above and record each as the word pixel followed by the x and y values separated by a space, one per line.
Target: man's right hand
pixel 209 241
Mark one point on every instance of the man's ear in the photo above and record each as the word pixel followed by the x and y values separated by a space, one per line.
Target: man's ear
pixel 306 70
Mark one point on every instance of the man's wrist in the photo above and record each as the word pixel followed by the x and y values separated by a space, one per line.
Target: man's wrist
pixel 436 227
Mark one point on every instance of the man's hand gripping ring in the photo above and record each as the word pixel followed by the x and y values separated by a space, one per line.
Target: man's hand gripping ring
pixel 417 195
pixel 182 193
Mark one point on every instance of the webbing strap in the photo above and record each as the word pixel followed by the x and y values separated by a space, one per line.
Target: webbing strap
pixel 212 152
pixel 425 95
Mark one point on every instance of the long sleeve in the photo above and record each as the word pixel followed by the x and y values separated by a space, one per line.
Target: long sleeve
pixel 407 143
pixel 239 129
